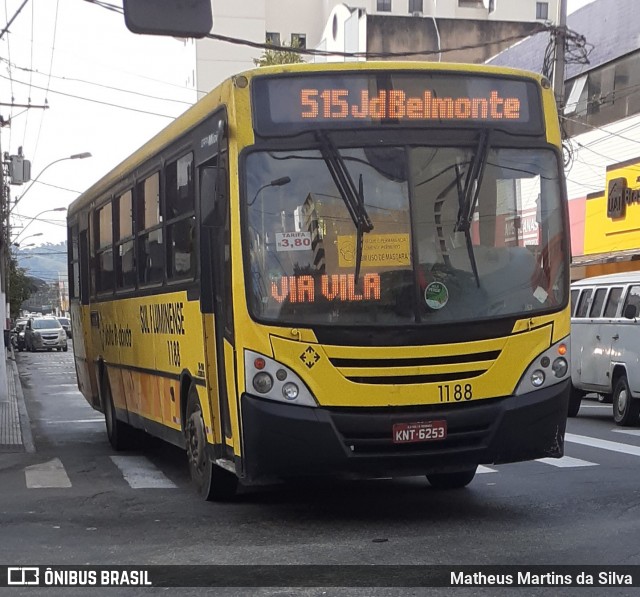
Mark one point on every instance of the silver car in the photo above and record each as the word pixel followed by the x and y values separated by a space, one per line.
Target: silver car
pixel 45 333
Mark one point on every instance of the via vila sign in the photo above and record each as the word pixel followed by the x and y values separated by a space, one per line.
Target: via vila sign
pixel 619 195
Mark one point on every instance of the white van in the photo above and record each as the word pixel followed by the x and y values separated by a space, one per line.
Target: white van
pixel 605 343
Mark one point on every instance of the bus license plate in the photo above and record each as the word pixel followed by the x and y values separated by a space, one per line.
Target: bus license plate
pixel 421 431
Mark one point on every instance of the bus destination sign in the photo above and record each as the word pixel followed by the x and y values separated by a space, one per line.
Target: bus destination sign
pixel 286 104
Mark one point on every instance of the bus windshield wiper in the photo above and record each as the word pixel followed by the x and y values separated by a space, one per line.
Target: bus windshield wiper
pixel 353 197
pixel 468 196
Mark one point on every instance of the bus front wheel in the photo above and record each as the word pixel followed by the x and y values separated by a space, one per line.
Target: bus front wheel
pixel 456 480
pixel 212 482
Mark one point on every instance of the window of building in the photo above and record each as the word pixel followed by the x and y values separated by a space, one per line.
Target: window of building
pixel 181 222
pixel 298 40
pixel 384 5
pixel 470 4
pixel 124 249
pixel 103 245
pixel 273 38
pixel 542 10
pixel 151 248
pixel 415 6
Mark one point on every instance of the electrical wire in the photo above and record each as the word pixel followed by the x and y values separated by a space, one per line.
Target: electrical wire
pixel 87 99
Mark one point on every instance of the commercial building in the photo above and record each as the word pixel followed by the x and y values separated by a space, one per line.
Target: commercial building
pixel 363 25
pixel 601 118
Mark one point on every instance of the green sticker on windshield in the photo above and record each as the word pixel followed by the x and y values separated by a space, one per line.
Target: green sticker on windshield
pixel 436 295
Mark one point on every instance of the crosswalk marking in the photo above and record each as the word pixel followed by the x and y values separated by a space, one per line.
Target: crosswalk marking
pixel 566 462
pixel 635 432
pixel 485 469
pixel 140 473
pixel 603 444
pixel 47 475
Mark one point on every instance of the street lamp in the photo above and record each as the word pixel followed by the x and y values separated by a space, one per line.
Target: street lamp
pixel 34 218
pixel 17 244
pixel 75 156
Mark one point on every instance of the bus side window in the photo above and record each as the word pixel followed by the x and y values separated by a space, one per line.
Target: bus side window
pixel 613 300
pixel 151 245
pixel 598 302
pixel 583 303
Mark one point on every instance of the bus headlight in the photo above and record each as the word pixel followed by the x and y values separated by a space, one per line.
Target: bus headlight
pixel 537 378
pixel 290 391
pixel 273 380
pixel 263 382
pixel 560 367
pixel 548 368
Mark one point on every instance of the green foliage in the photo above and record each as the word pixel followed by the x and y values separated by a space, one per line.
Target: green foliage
pixel 270 57
pixel 20 287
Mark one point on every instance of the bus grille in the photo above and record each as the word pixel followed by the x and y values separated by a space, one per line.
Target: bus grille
pixel 414 370
pixel 468 426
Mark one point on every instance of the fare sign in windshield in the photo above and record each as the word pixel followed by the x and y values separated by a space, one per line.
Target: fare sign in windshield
pixel 291 103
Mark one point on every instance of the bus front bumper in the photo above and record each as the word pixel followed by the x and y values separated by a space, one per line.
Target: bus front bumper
pixel 285 441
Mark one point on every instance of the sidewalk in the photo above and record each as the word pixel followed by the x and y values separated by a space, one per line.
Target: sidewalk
pixel 15 429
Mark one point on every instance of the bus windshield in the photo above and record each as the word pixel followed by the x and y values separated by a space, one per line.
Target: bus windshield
pixel 449 241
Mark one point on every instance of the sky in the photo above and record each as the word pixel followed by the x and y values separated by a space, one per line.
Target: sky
pixel 107 90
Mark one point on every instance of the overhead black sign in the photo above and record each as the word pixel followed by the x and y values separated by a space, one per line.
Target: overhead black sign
pixel 294 102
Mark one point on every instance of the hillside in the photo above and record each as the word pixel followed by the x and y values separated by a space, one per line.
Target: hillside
pixel 47 261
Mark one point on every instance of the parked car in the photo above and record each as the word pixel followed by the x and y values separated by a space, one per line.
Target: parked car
pixel 65 322
pixel 18 335
pixel 605 343
pixel 45 333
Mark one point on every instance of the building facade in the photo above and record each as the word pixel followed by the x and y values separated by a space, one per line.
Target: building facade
pixel 601 117
pixel 331 25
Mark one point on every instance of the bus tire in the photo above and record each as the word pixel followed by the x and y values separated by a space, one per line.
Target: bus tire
pixel 456 480
pixel 212 482
pixel 626 410
pixel 119 433
pixel 575 400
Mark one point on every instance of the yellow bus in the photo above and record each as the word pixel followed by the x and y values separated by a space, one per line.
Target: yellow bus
pixel 355 270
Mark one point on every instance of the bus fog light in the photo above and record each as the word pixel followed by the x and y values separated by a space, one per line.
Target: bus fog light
pixel 537 378
pixel 290 391
pixel 281 374
pixel 263 382
pixel 560 367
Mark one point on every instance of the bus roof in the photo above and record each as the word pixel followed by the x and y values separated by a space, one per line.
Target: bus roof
pixel 212 100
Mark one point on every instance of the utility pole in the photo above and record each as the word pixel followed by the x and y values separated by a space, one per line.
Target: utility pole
pixel 559 61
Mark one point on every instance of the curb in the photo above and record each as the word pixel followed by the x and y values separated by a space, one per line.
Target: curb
pixel 25 423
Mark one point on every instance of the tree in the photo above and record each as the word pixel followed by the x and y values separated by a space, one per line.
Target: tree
pixel 276 56
pixel 20 287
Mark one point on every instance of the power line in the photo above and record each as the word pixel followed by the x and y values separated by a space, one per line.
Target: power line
pixel 101 85
pixel 97 101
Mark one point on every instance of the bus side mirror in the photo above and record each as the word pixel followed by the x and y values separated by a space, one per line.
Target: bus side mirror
pixel 179 18
pixel 630 312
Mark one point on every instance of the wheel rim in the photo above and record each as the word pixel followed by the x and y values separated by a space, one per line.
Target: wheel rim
pixel 621 403
pixel 196 444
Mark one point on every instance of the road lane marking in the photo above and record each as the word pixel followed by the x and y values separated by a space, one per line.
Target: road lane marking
pixel 94 420
pixel 46 475
pixel 566 462
pixel 603 444
pixel 485 469
pixel 596 406
pixel 635 432
pixel 140 473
